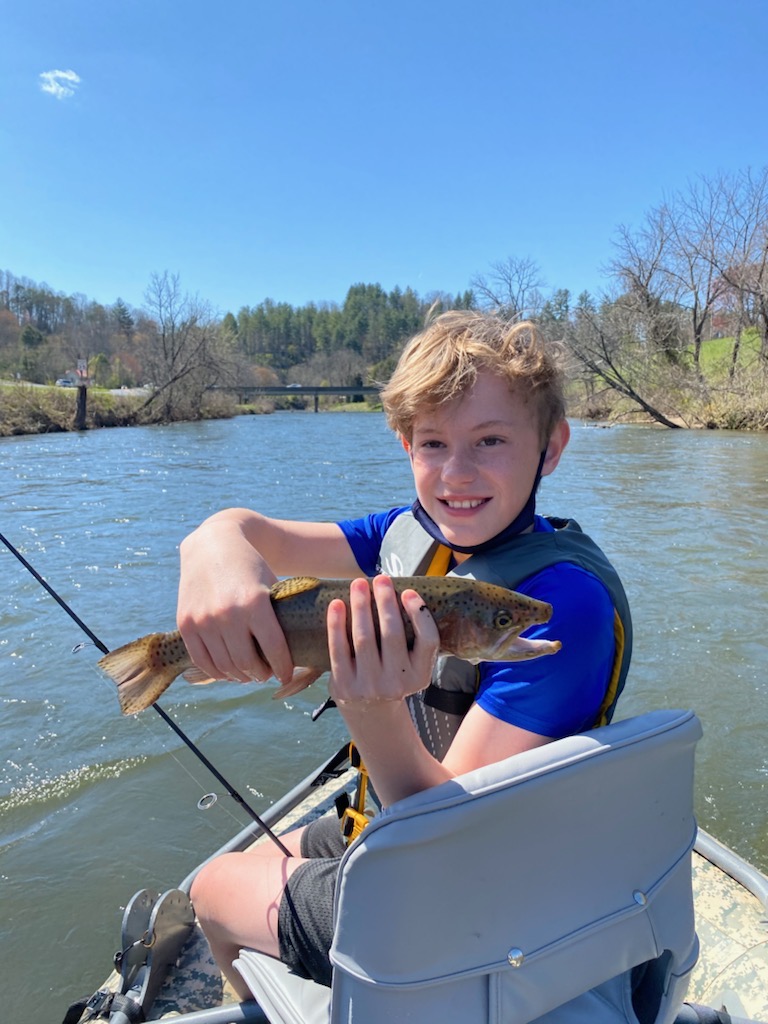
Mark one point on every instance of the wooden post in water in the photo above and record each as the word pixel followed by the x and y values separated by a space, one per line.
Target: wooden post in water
pixel 82 399
pixel 82 393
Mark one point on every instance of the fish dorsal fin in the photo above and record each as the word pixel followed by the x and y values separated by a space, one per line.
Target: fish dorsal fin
pixel 293 586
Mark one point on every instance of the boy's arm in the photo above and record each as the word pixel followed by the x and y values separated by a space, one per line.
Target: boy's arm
pixel 400 765
pixel 565 693
pixel 483 739
pixel 370 684
pixel 228 565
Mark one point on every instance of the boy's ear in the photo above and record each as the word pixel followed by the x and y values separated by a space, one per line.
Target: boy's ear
pixel 406 444
pixel 556 446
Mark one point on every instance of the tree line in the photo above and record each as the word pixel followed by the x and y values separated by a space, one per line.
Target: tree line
pixel 695 268
pixel 177 345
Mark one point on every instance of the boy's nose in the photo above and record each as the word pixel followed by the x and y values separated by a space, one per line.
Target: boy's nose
pixel 458 466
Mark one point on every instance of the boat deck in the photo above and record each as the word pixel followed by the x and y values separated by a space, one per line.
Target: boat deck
pixel 732 925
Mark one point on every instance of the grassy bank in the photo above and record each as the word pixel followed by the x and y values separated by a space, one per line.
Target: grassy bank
pixel 720 400
pixel 35 409
pixel 722 395
pixel 31 409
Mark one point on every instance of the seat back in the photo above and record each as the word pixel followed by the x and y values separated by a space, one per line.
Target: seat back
pixel 527 889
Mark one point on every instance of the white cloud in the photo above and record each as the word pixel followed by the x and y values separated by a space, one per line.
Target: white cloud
pixel 61 84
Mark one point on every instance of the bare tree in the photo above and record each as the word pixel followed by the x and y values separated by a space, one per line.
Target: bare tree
pixel 641 269
pixel 696 230
pixel 184 353
pixel 607 343
pixel 742 257
pixel 512 287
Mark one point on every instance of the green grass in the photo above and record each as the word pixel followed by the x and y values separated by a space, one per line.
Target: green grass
pixel 717 353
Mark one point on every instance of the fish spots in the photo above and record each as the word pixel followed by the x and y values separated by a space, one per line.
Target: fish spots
pixel 477 621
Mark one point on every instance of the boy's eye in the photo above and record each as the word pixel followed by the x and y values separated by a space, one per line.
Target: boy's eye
pixel 489 442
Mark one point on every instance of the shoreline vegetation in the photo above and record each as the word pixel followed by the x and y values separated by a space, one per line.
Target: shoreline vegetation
pixel 29 409
pixel 39 409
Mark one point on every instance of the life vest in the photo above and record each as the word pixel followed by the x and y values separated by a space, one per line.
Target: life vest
pixel 407 550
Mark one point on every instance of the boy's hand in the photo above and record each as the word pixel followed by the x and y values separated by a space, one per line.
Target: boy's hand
pixel 363 673
pixel 224 606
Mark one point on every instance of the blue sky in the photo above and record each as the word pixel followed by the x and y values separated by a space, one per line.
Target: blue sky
pixel 291 148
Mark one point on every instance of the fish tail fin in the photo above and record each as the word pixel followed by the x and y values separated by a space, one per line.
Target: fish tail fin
pixel 301 679
pixel 139 682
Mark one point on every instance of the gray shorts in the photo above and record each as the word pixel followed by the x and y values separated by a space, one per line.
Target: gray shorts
pixel 305 917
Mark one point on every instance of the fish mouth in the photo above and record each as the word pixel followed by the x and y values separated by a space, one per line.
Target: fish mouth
pixel 521 648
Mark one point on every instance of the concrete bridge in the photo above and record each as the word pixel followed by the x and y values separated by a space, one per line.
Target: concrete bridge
pixel 316 392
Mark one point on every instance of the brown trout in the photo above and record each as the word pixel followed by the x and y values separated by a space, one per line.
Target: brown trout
pixel 477 622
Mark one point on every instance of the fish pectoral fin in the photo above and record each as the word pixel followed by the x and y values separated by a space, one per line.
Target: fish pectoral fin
pixel 292 586
pixel 301 679
pixel 198 677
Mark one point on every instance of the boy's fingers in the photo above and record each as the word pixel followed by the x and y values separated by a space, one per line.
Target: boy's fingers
pixel 276 656
pixel 388 610
pixel 338 641
pixel 364 646
pixel 427 636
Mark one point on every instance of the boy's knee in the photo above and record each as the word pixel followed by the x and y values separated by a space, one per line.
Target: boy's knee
pixel 205 884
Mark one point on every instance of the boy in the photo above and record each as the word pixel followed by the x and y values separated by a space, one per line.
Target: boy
pixel 478 405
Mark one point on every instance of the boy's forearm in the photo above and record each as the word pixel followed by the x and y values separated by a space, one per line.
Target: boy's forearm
pixel 289 547
pixel 234 525
pixel 397 761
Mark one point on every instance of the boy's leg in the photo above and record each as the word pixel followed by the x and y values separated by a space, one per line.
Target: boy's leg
pixel 241 900
pixel 266 848
pixel 237 899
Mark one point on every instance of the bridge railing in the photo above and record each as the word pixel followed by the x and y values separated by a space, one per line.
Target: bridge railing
pixel 315 391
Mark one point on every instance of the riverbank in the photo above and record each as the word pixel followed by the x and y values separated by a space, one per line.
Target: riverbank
pixel 38 409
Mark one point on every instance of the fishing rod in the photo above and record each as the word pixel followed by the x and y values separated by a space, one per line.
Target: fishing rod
pixel 236 796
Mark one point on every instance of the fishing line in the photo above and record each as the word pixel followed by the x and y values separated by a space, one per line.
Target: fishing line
pixel 237 797
pixel 208 799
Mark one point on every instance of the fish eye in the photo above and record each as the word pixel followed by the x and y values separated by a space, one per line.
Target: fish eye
pixel 502 620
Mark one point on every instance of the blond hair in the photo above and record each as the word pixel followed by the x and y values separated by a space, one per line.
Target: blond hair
pixel 443 361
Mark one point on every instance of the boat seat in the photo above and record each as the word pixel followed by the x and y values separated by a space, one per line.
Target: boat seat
pixel 554 887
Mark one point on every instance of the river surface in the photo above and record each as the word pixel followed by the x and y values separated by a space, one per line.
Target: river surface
pixel 94 806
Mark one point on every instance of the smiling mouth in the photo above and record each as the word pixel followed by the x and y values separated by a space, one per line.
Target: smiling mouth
pixel 466 503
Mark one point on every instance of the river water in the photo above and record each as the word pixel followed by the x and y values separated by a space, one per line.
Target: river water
pixel 94 806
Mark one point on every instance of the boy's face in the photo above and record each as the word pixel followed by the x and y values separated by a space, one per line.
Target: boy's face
pixel 475 457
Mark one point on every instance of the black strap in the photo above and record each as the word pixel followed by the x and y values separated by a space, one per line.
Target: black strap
pixel 452 702
pixel 130 1009
pixel 97 1005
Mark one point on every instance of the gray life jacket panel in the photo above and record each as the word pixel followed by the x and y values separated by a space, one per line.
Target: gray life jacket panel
pixel 407 550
